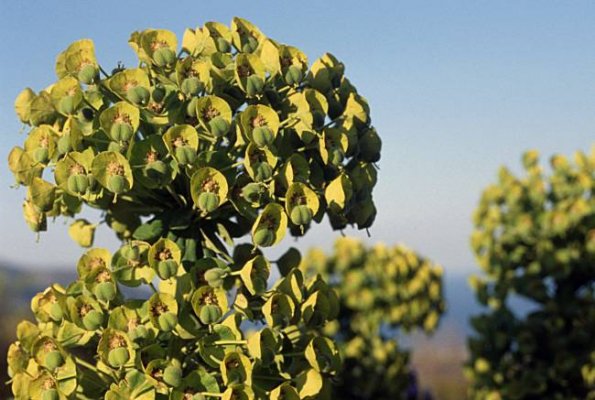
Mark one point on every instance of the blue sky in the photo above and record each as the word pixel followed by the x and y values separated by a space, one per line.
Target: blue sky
pixel 456 89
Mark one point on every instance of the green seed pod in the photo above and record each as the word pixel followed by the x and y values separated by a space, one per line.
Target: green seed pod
pixel 93 320
pixel 262 171
pixel 208 202
pixel 262 136
pixel 254 85
pixel 301 215
pixel 249 45
pixel 87 74
pixel 167 321
pixel 254 192
pixel 191 107
pixel 50 394
pixel 105 291
pixel 218 126
pixel 185 155
pixel 222 45
pixel 214 277
pixel 66 105
pixel 138 95
pixel 167 268
pixel 117 184
pixel 158 94
pixel 318 119
pixel 41 155
pixel 191 86
pixel 264 237
pixel 164 56
pixel 130 252
pixel 172 375
pixel 64 144
pixel 56 312
pixel 209 314
pixel 118 357
pixel 78 183
pixel 53 359
pixel 121 132
pixel 139 333
pixel 293 76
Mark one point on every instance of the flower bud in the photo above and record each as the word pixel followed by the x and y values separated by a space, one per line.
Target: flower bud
pixel 214 277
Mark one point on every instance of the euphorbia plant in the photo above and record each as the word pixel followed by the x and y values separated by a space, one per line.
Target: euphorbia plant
pixel 534 238
pixel 232 136
pixel 383 291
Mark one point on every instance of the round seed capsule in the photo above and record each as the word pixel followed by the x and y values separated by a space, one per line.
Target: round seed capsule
pixel 263 237
pixel 172 375
pixel 209 314
pixel 164 56
pixel 222 45
pixel 56 312
pixel 191 86
pixel 118 357
pixel 185 155
pixel 53 359
pixel 249 45
pixel 208 202
pixel 93 320
pixel 64 144
pixel 167 268
pixel 254 85
pixel 78 183
pixel 157 171
pixel 140 332
pixel 50 394
pixel 117 184
pixel 262 136
pixel 293 76
pixel 105 291
pixel 214 277
pixel 130 252
pixel 167 321
pixel 87 74
pixel 301 215
pixel 218 126
pixel 121 132
pixel 262 171
pixel 41 155
pixel 138 95
pixel 66 105
pixel 158 94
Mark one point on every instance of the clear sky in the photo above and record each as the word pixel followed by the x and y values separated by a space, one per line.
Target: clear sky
pixel 456 89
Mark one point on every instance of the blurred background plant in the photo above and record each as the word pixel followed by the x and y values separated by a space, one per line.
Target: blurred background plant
pixel 535 240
